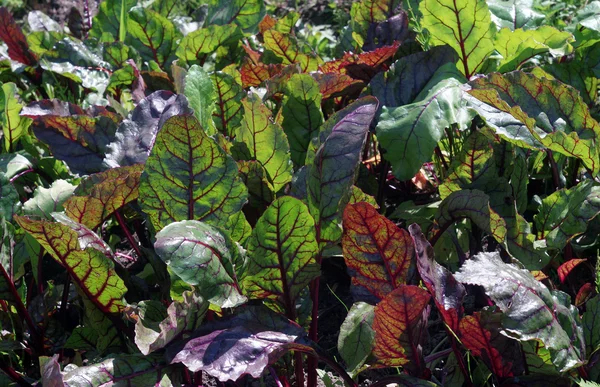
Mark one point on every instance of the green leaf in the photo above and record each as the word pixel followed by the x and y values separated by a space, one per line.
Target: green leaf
pixel 287 49
pixel 134 370
pixel 188 176
pixel 89 268
pixel 13 163
pixel 465 26
pixel 228 114
pixel 260 139
pixel 515 14
pixel 182 318
pixel 332 173
pixel 245 13
pixel 591 319
pixel 518 46
pixel 538 113
pixel 197 45
pixel 13 125
pixel 566 213
pixel 239 228
pixel 111 21
pixel 203 257
pixel 201 93
pixel 45 201
pixel 355 342
pixel 153 35
pixel 9 198
pixel 410 133
pixel 531 310
pixel 301 114
pixel 281 254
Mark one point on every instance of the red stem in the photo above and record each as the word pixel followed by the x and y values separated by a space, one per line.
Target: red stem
pixel 313 331
pixel 459 358
pixel 128 235
pixel 14 375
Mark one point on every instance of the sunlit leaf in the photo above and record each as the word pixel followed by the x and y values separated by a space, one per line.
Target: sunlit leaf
pixel 245 13
pixel 130 369
pixel 198 44
pixel 13 125
pixel 155 35
pixel 515 14
pixel 287 49
pixel 228 113
pixel 200 91
pixel 566 268
pixel 107 23
pixel 45 201
pixel 355 342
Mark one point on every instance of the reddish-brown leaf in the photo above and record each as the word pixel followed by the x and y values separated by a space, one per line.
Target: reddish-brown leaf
pixel 266 23
pixel 584 293
pixel 362 66
pixel 335 85
pixel 11 34
pixel 255 73
pixel 398 326
pixel 379 255
pixel 566 268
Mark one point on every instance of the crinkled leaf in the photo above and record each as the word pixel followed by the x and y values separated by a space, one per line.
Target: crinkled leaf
pixel 301 114
pixel 13 125
pixel 228 114
pixel 518 46
pixel 447 292
pixel 355 342
pixel 531 311
pixel 410 133
pixel 182 317
pixel 378 254
pixel 258 138
pixel 245 343
pixel 136 134
pixel 90 269
pixel 188 176
pixel 515 14
pixel 566 213
pixel 198 44
pixel 534 112
pixel 154 36
pixel 11 34
pixel 398 325
pixel 48 200
pixel 281 254
pixel 590 320
pixel 134 370
pixel 465 26
pixel 332 173
pixel 245 13
pixel 203 257
pixel 200 91
pixel 101 194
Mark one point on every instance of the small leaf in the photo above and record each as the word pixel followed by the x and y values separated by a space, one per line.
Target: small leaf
pixel 202 256
pixel 101 194
pixel 355 342
pixel 89 268
pixel 11 34
pixel 154 35
pixel 281 254
pixel 566 268
pixel 45 201
pixel 332 173
pixel 245 13
pixel 447 292
pixel 252 339
pixel 50 370
pixel 466 27
pixel 333 85
pixel 13 125
pixel 201 93
pixel 378 254
pixel 188 176
pixel 111 20
pixel 531 311
pixel 398 325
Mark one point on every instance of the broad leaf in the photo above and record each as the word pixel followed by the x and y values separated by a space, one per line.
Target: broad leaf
pixel 531 310
pixel 590 320
pixel 281 254
pixel 410 133
pixel 110 23
pixel 245 343
pixel 515 14
pixel 203 257
pixel 286 48
pixel 228 114
pixel 533 112
pixel 128 369
pixel 9 198
pixel 447 292
pixel 154 35
pixel 332 173
pixel 200 91
pixel 334 85
pixel 45 201
pixel 301 114
pixel 355 342
pixel 197 45
pixel 11 34
pixel 136 135
pixel 464 26
pixel 566 268
pixel 378 254
pixel 13 125
pixel 398 325
pixel 182 318
pixel 188 176
pixel 12 164
pixel 260 139
pixel 245 13
pixel 89 268
pixel 101 194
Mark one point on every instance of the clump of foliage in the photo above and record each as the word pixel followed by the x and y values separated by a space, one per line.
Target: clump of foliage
pixel 176 175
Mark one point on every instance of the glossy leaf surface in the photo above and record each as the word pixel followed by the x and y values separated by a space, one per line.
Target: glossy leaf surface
pixel 13 125
pixel 200 91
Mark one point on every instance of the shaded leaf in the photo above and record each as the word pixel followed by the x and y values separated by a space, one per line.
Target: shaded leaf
pixel 245 13
pixel 130 369
pixel 531 311
pixel 136 134
pixel 101 194
pixel 281 254
pixel 260 190
pixel 465 26
pixel 355 342
pixel 447 292
pixel 204 257
pixel 201 93
pixel 378 254
pixel 332 173
pixel 566 268
pixel 590 321
pixel 89 268
pixel 188 176
pixel 11 34
pixel 9 198
pixel 333 85
pixel 50 370
pixel 45 201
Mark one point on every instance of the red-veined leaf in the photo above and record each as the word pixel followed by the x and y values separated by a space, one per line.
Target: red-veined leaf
pixel 566 268
pixel 255 73
pixel 362 66
pixel 333 85
pixel 585 292
pixel 197 45
pixel 286 48
pixel 11 34
pixel 379 255
pixel 228 113
pixel 591 319
pixel 266 23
